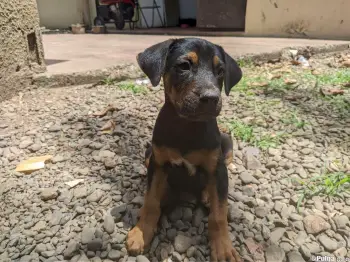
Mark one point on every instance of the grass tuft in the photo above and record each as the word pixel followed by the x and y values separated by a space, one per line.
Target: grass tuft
pixel 330 184
pixel 136 89
pixel 246 134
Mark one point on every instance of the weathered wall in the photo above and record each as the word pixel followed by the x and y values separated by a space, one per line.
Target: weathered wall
pixel 21 50
pixel 299 18
pixel 60 14
pixel 221 14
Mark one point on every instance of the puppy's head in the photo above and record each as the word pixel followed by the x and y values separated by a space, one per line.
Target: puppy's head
pixel 194 71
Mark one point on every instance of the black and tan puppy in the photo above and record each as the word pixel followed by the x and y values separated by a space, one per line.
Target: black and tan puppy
pixel 186 138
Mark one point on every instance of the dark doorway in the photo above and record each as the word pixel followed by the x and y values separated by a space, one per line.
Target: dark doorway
pixel 221 14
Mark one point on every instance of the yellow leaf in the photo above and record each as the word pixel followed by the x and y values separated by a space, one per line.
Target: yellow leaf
pixel 33 163
pixel 290 81
pixel 109 127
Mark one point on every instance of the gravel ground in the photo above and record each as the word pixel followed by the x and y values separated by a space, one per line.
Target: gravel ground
pixel 44 219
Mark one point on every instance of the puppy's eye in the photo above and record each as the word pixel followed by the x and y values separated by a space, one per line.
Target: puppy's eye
pixel 221 72
pixel 185 66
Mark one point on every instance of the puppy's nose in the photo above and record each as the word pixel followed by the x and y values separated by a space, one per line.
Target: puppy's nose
pixel 211 97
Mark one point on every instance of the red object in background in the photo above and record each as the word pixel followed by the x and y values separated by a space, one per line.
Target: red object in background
pixel 112 2
pixel 184 26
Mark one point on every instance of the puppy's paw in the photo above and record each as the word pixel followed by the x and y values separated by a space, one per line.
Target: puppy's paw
pixel 135 243
pixel 222 250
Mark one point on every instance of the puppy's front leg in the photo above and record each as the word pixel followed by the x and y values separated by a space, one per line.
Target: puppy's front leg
pixel 220 243
pixel 142 234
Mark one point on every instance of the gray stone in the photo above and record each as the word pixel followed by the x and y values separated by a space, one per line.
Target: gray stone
pixel 109 224
pixel 176 214
pixel 26 258
pixel 56 218
pixel 341 252
pixel 95 196
pixel 110 163
pixel 25 143
pixel 41 225
pixel 80 210
pixel 55 128
pixel 198 216
pixel 106 154
pixel 35 147
pixel 141 258
pixel 95 244
pixel 114 254
pixel 80 192
pixel 301 172
pixel 87 235
pixel 182 243
pixel 301 238
pixel 341 221
pixel 247 178
pixel 315 224
pixel 58 159
pixel 295 256
pixel 277 234
pixel 71 250
pixel 252 163
pixel 261 212
pixel 177 257
pixel 328 243
pixel 171 234
pixel 49 193
pixel 187 214
pixel 274 254
pixel 48 254
pixel 40 248
pixel 306 253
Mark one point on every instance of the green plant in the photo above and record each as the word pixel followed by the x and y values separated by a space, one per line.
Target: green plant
pixel 293 119
pixel 241 130
pixel 269 141
pixel 245 133
pixel 330 184
pixel 245 62
pixel 108 81
pixel 136 89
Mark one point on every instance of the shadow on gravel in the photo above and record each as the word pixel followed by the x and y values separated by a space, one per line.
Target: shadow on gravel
pixel 326 118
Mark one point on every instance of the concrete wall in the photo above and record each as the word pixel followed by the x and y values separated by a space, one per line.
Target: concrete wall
pixel 21 49
pixel 313 18
pixel 60 14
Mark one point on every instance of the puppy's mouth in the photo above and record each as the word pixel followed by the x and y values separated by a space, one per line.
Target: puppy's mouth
pixel 197 115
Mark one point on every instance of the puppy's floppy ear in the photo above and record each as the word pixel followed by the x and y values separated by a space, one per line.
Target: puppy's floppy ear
pixel 233 73
pixel 152 60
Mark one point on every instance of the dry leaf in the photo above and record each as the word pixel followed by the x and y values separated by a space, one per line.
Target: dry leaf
pixel 276 77
pixel 252 246
pixel 259 84
pixel 295 62
pixel 285 71
pixel 104 112
pixel 74 183
pixel 108 128
pixel 346 63
pixel 33 164
pixel 331 92
pixel 316 72
pixel 346 84
pixel 255 249
pixel 290 81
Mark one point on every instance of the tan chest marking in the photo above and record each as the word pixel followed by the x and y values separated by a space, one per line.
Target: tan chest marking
pixel 204 158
